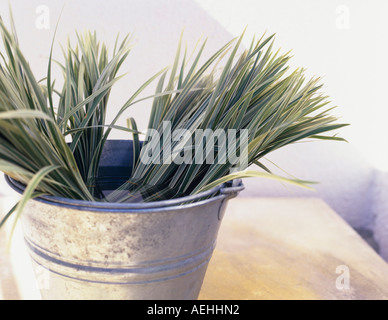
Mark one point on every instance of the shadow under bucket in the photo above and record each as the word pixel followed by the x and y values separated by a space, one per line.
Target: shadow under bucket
pixel 123 251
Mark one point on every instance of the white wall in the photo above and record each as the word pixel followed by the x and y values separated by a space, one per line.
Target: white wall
pixel 344 41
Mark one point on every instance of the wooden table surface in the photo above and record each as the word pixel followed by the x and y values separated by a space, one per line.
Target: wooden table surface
pixel 271 248
pixel 291 249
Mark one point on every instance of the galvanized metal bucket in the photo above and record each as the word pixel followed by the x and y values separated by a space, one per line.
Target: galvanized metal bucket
pixel 127 251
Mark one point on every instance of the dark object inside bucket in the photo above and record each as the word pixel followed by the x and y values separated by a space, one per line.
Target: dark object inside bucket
pixel 115 164
pixel 116 168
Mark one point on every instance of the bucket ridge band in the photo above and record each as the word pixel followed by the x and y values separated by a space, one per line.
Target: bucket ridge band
pixel 187 264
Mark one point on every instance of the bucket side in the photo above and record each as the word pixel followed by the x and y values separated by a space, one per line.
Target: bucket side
pixel 153 254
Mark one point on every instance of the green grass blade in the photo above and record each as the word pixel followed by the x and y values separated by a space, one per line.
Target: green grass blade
pixel 256 174
pixel 29 193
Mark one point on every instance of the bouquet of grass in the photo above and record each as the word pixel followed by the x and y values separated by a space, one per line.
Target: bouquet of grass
pixel 251 92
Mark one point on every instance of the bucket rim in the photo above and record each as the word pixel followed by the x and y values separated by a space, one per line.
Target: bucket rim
pixel 228 190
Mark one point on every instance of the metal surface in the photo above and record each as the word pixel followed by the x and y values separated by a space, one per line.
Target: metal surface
pixel 156 251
